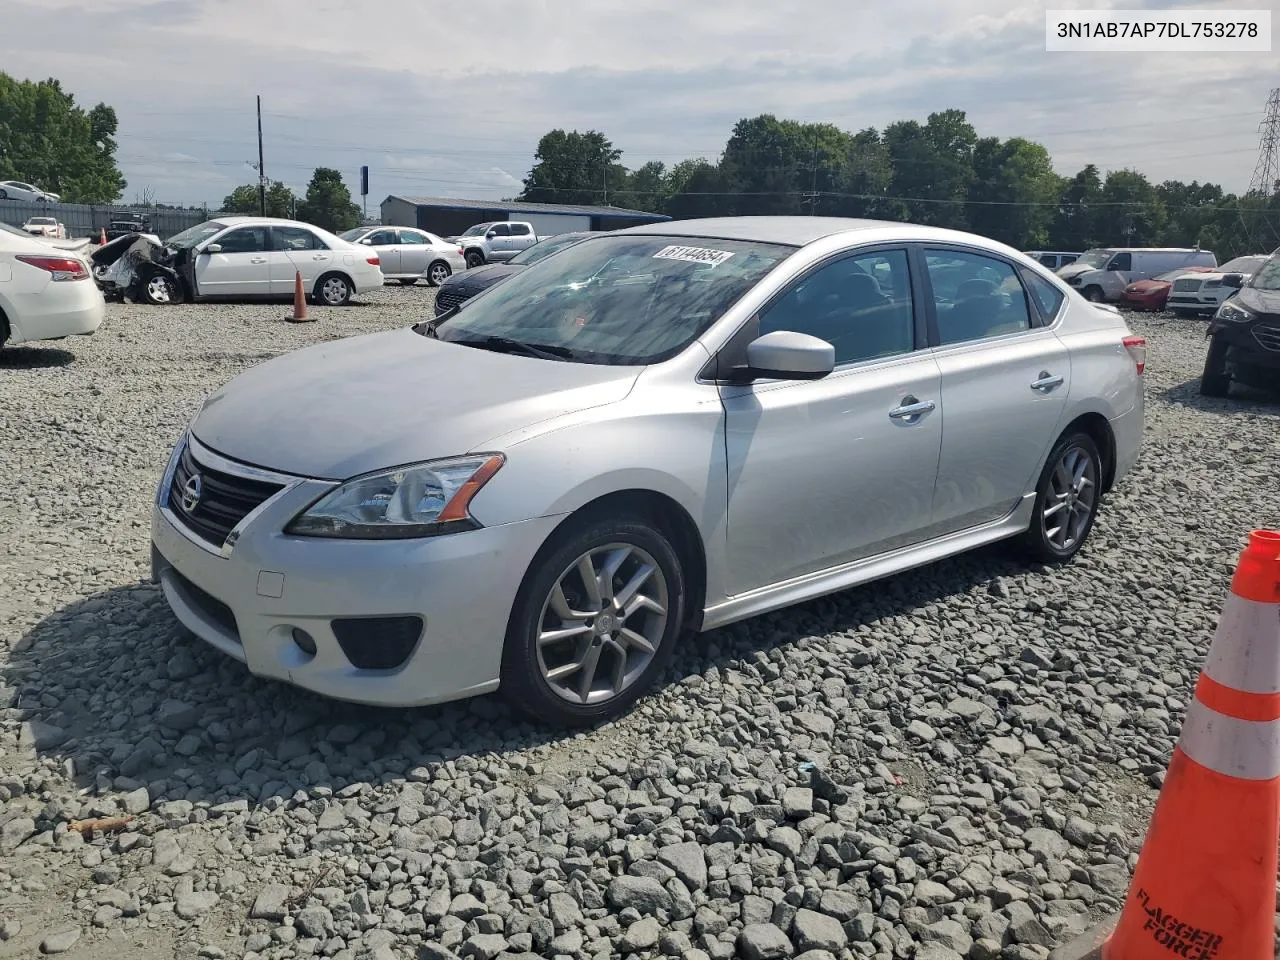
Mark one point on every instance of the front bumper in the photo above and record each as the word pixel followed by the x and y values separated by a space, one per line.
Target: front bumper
pixel 1253 350
pixel 247 599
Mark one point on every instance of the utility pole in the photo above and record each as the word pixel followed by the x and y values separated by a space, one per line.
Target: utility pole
pixel 811 197
pixel 1266 175
pixel 604 175
pixel 262 176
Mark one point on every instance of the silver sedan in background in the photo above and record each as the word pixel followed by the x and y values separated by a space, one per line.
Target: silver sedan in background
pixel 410 255
pixel 656 431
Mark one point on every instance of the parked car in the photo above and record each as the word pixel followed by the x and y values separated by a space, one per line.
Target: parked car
pixel 46 293
pixel 496 241
pixel 1102 274
pixel 1152 294
pixel 1053 259
pixel 1204 294
pixel 1244 334
pixel 655 431
pixel 125 226
pixel 17 190
pixel 45 227
pixel 410 255
pixel 239 258
pixel 459 289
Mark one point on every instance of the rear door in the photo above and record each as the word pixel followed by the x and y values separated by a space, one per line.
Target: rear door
pixel 298 250
pixel 522 238
pixel 414 252
pixel 241 268
pixel 1005 379
pixel 387 245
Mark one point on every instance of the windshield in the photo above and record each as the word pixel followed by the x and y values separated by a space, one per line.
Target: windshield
pixel 1268 275
pixel 1242 265
pixel 620 300
pixel 1094 258
pixel 9 228
pixel 42 220
pixel 193 235
pixel 351 236
pixel 545 248
pixel 477 230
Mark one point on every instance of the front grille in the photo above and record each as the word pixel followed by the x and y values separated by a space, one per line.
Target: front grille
pixel 211 606
pixel 1268 336
pixel 448 299
pixel 224 500
pixel 377 643
pixel 1186 286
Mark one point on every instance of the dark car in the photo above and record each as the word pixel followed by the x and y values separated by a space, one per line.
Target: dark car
pixel 461 287
pixel 1244 335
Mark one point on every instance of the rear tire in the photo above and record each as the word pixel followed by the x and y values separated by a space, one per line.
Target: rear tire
pixel 1215 381
pixel 1093 294
pixel 1068 495
pixel 333 290
pixel 623 629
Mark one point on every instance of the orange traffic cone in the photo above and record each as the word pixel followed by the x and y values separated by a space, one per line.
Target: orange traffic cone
pixel 1205 883
pixel 299 300
pixel 102 236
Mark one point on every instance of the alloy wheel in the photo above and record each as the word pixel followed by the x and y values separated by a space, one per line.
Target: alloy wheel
pixel 334 291
pixel 439 274
pixel 602 623
pixel 159 290
pixel 1070 499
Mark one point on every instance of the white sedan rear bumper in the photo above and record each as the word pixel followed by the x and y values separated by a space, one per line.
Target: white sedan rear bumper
pixel 52 311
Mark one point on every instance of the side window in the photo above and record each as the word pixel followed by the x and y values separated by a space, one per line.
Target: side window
pixel 501 229
pixel 244 240
pixel 1068 259
pixel 975 296
pixel 520 230
pixel 412 239
pixel 1048 297
pixel 296 238
pixel 383 238
pixel 1049 260
pixel 1121 261
pixel 860 304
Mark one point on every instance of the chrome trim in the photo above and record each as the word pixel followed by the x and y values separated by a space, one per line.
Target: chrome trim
pixel 215 461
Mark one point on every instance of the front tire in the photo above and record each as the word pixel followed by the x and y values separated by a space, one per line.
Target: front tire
pixel 438 273
pixel 160 291
pixel 408 281
pixel 1215 381
pixel 1093 294
pixel 333 290
pixel 1068 495
pixel 475 258
pixel 594 623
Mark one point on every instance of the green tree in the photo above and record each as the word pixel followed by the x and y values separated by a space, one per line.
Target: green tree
pixel 648 187
pixel 47 140
pixel 281 200
pixel 328 203
pixel 1132 213
pixel 1074 224
pixel 573 167
pixel 933 166
pixel 698 189
pixel 1014 192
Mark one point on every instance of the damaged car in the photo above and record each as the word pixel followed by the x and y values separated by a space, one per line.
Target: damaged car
pixel 237 258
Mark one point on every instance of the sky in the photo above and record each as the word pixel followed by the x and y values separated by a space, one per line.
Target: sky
pixel 449 99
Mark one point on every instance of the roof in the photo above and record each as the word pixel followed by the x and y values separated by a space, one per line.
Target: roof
pixel 796 231
pixel 524 206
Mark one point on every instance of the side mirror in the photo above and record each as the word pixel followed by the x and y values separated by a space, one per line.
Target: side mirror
pixel 491 234
pixel 787 355
pixel 213 248
pixel 367 241
pixel 1233 280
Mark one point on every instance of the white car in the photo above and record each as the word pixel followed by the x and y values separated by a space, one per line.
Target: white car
pixel 17 190
pixel 45 227
pixel 45 293
pixel 410 255
pixel 1204 293
pixel 259 257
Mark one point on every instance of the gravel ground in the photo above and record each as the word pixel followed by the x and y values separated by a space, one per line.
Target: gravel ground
pixel 957 762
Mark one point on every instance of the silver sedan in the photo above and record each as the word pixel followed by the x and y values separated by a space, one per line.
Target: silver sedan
pixel 657 431
pixel 410 255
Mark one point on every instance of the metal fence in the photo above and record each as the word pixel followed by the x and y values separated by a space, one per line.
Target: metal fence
pixel 87 219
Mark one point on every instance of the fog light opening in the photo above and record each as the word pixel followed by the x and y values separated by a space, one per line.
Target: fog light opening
pixel 306 643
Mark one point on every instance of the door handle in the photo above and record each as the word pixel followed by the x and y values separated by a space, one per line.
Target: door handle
pixel 1046 381
pixel 257 259
pixel 320 256
pixel 911 408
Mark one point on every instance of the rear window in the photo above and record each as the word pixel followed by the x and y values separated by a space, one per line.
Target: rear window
pixel 1048 297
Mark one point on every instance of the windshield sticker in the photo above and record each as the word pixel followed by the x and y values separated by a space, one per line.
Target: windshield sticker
pixel 693 255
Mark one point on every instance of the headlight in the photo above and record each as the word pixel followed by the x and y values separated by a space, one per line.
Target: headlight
pixel 420 500
pixel 1232 313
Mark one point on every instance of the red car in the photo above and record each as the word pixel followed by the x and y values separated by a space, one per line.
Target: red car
pixel 1152 294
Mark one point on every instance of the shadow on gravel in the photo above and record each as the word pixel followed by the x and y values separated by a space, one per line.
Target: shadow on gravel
pixel 34 358
pixel 114 691
pixel 1242 399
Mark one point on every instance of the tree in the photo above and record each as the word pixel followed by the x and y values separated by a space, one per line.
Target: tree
pixel 648 187
pixel 1014 192
pixel 1132 214
pixel 281 200
pixel 1073 226
pixel 328 203
pixel 932 166
pixel 47 140
pixel 574 167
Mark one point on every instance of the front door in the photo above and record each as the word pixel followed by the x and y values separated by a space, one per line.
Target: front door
pixel 1005 380
pixel 240 268
pixel 824 472
pixel 499 245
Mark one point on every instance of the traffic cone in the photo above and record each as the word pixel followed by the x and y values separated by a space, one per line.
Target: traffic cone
pixel 299 300
pixel 102 237
pixel 1205 884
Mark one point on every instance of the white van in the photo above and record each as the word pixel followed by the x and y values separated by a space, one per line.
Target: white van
pixel 1053 259
pixel 1103 273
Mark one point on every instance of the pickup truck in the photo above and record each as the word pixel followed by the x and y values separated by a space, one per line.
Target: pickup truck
pixel 496 241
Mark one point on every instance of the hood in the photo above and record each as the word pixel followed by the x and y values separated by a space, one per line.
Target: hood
pixel 481 278
pixel 1148 286
pixel 1266 302
pixel 361 404
pixel 1074 270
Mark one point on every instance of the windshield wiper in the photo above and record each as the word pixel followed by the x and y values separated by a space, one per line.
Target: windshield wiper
pixel 508 345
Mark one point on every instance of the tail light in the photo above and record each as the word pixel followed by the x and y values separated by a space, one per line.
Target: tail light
pixel 374 262
pixel 1137 347
pixel 60 268
pixel 461 250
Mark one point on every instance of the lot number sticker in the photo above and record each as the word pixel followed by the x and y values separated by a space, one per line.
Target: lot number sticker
pixel 693 255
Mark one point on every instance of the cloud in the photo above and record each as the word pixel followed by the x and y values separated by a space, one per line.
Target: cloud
pixel 454 104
